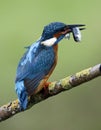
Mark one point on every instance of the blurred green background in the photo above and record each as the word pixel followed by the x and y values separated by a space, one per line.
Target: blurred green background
pixel 21 24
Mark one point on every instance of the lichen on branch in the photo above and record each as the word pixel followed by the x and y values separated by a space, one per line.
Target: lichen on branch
pixel 13 107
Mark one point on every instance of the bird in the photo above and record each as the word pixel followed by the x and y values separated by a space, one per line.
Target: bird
pixel 40 59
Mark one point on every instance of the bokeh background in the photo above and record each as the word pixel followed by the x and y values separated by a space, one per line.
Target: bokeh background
pixel 21 24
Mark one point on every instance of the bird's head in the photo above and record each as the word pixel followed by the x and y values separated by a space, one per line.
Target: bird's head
pixel 56 31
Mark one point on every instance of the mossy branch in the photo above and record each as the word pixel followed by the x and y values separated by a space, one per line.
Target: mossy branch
pixel 13 107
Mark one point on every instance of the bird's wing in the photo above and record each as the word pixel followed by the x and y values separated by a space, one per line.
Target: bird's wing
pixel 23 68
pixel 33 70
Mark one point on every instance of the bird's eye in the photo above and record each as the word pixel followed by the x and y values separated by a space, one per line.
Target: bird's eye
pixel 63 29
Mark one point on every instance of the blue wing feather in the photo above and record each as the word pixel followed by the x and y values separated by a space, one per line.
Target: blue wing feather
pixel 32 68
pixel 41 63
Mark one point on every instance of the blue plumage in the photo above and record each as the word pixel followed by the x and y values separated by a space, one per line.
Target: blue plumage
pixel 36 63
pixel 22 94
pixel 51 29
pixel 32 68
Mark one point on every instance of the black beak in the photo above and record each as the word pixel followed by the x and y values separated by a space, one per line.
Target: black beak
pixel 80 26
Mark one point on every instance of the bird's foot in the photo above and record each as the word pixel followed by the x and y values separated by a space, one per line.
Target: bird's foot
pixel 46 85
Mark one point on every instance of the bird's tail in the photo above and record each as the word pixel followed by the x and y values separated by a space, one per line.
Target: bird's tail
pixel 22 94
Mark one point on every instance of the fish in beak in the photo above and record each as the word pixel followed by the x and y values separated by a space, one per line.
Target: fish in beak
pixel 75 29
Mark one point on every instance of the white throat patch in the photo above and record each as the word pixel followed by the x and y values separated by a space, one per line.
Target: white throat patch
pixel 49 42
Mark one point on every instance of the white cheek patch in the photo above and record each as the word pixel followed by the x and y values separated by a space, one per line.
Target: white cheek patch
pixel 49 42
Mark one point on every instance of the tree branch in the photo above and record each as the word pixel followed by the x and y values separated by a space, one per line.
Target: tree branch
pixel 13 107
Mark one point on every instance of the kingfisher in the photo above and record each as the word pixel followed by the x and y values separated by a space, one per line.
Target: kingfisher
pixel 40 59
